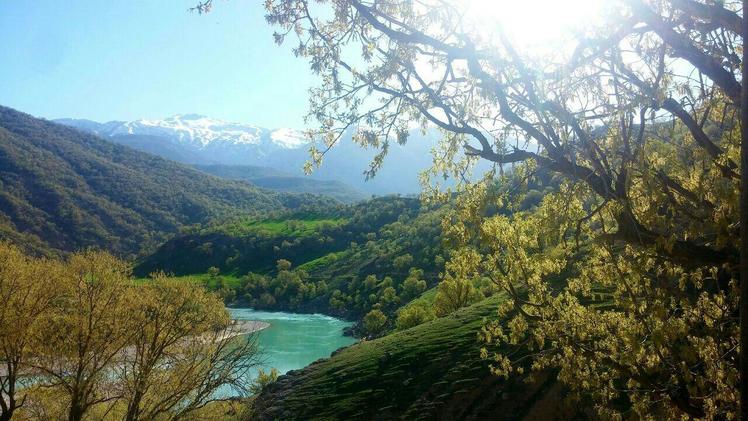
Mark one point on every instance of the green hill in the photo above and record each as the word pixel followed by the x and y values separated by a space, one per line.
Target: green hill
pixel 431 371
pixel 334 254
pixel 63 190
pixel 255 243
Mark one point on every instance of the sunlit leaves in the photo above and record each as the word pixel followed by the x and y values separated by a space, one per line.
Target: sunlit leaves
pixel 624 279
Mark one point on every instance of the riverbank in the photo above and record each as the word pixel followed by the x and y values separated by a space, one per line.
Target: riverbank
pixel 243 327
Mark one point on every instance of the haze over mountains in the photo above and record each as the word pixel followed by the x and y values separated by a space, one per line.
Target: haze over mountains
pixel 200 140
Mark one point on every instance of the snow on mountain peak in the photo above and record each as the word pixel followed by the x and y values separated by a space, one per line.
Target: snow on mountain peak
pixel 289 138
pixel 201 131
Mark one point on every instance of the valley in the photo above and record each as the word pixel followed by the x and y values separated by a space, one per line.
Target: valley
pixel 374 210
pixel 292 260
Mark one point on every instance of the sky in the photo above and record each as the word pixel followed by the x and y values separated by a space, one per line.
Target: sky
pixel 131 59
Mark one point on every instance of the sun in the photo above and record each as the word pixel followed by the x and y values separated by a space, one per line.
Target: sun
pixel 535 23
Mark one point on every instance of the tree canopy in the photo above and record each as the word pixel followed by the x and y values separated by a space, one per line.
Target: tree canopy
pixel 79 339
pixel 626 280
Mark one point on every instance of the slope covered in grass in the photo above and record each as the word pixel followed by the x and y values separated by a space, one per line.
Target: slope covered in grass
pixel 431 371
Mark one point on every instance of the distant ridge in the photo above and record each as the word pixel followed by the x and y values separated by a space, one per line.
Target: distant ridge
pixel 209 143
pixel 272 179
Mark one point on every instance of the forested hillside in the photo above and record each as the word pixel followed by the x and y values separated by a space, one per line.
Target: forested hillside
pixel 343 261
pixel 64 190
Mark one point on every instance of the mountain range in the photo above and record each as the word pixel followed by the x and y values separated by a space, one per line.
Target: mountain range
pixel 199 140
pixel 63 190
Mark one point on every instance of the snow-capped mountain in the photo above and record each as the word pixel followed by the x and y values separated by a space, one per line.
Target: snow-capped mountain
pixel 200 140
pixel 197 131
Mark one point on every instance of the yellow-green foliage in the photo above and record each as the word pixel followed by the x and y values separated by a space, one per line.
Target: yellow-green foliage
pixel 413 315
pixel 626 280
pixel 96 344
pixel 263 379
pixel 609 316
pixel 456 290
pixel 374 321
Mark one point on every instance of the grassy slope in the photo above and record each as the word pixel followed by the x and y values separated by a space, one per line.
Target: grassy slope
pixel 292 227
pixel 432 371
pixel 210 283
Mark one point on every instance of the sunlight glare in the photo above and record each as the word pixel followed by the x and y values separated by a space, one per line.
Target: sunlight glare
pixel 535 23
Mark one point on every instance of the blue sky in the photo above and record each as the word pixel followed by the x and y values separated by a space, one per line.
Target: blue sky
pixel 129 59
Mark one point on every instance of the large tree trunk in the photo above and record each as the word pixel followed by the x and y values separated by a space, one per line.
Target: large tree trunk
pixel 744 228
pixel 6 416
pixel 76 410
pixel 7 413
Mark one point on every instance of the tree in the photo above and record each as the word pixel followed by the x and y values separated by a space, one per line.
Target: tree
pixel 185 347
pixel 263 379
pixel 456 290
pixel 27 296
pixel 374 322
pixel 413 315
pixel 413 285
pixel 642 118
pixel 453 294
pixel 86 331
pixel 389 297
pixel 402 262
pixel 97 345
pixel 283 264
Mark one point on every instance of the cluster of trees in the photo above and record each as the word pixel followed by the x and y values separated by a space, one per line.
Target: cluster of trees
pixel 80 340
pixel 628 281
pixel 378 305
pixel 354 297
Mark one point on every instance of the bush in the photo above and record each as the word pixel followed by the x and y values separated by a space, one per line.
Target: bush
pixel 413 315
pixel 374 322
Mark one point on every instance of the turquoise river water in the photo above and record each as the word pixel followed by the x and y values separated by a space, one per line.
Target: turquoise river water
pixel 294 340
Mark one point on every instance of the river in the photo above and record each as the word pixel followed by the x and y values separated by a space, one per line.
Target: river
pixel 295 340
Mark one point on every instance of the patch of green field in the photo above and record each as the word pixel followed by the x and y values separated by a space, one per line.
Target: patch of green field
pixel 300 227
pixel 428 370
pixel 209 282
pixel 322 261
pixel 425 299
